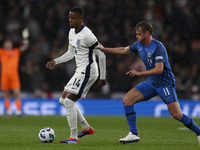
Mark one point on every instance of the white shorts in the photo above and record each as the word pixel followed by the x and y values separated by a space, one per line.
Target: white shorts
pixel 80 84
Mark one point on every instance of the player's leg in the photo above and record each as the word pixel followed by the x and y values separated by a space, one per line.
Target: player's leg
pixel 140 93
pixel 81 119
pixel 84 124
pixel 62 98
pixel 132 97
pixel 18 103
pixel 77 87
pixel 5 87
pixel 7 102
pixel 15 86
pixel 69 104
pixel 169 96
pixel 177 114
pixel 86 128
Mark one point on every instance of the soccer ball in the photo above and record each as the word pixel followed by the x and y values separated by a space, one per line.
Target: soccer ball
pixel 46 135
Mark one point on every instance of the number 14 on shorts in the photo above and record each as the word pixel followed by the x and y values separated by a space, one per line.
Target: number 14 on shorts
pixel 77 82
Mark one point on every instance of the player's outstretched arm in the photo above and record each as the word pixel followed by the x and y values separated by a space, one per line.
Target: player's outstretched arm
pixel 25 36
pixel 117 50
pixel 157 70
pixel 64 58
pixel 102 66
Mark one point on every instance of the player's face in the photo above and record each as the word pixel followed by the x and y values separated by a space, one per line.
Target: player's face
pixel 141 35
pixel 75 21
pixel 8 45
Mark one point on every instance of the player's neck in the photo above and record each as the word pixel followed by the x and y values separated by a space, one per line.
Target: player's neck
pixel 7 49
pixel 77 29
pixel 148 41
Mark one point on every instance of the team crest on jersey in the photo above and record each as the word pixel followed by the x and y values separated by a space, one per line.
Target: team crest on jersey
pixel 149 54
pixel 78 42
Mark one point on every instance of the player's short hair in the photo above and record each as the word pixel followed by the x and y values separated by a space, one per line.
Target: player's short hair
pixel 146 26
pixel 79 10
pixel 8 40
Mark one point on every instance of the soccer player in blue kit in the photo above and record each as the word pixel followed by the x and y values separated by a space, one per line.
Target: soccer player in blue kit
pixel 160 80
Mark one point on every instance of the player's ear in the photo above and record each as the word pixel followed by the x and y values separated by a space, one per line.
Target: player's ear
pixel 81 17
pixel 147 33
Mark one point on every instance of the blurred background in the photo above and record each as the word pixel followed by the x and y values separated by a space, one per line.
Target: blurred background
pixel 176 24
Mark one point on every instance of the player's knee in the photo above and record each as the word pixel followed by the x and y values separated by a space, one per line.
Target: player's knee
pixel 126 101
pixel 61 101
pixel 177 115
pixel 68 103
pixel 129 100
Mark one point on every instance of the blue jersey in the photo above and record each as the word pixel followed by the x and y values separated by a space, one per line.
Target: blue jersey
pixel 151 55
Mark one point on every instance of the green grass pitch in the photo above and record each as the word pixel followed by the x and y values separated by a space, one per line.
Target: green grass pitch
pixel 155 134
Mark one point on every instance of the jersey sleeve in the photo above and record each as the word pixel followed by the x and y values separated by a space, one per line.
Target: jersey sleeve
pixel 159 54
pixel 90 39
pixel 133 47
pixel 102 63
pixel 65 57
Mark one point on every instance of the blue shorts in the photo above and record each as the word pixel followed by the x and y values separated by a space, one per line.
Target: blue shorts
pixel 167 93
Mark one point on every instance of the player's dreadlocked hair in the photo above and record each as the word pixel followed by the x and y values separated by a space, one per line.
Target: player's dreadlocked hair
pixel 79 10
pixel 146 26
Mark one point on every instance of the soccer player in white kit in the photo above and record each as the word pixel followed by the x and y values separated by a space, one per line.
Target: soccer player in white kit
pixel 82 43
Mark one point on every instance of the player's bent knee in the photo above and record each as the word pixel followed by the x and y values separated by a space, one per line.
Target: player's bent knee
pixel 61 101
pixel 68 103
pixel 132 97
pixel 127 101
pixel 130 100
pixel 177 116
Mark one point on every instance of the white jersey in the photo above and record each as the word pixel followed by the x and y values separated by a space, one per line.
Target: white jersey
pixel 82 43
pixel 82 46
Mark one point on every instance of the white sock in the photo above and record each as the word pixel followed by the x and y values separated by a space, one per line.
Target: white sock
pixel 71 117
pixel 82 120
pixel 8 112
pixel 19 112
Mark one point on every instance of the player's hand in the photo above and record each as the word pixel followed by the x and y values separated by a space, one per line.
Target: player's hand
pixel 133 73
pixel 99 46
pixel 101 83
pixel 25 33
pixel 51 64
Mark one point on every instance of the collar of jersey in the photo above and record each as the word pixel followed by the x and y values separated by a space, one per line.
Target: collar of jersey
pixel 149 44
pixel 83 25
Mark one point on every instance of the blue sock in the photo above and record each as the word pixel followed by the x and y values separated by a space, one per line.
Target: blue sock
pixel 189 123
pixel 131 118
